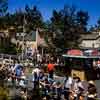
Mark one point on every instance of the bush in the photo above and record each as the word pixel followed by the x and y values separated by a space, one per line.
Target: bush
pixel 3 93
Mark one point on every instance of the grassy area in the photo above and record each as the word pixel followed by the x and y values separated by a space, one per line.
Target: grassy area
pixel 30 70
pixel 3 93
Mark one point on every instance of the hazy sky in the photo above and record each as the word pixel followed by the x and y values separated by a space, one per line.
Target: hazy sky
pixel 46 6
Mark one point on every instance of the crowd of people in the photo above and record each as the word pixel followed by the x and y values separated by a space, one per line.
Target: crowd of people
pixel 46 84
pixel 51 88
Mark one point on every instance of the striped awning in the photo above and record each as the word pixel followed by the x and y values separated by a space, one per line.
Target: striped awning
pixel 75 52
pixel 71 56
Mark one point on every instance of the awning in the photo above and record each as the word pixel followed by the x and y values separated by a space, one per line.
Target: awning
pixel 91 52
pixel 75 52
pixel 95 52
pixel 71 56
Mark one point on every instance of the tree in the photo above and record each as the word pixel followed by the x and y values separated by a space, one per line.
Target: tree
pixel 30 18
pixel 97 26
pixel 3 12
pixel 33 17
pixel 7 47
pixel 3 7
pixel 67 25
pixel 82 19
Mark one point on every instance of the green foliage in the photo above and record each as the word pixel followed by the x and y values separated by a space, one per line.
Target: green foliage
pixel 63 30
pixel 33 17
pixel 3 93
pixel 7 47
pixel 3 12
pixel 19 50
pixel 3 7
pixel 67 25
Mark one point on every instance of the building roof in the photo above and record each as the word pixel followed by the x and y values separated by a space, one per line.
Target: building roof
pixel 91 36
pixel 27 37
pixel 32 37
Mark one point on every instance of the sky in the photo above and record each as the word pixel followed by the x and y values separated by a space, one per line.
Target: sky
pixel 46 7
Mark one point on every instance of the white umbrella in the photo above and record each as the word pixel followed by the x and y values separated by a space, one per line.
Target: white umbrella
pixel 88 51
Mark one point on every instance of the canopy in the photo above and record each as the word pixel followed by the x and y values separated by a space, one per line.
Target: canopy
pixel 75 52
pixel 88 51
pixel 91 52
pixel 95 52
pixel 71 56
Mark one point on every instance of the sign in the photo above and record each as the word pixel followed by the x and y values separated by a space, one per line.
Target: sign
pixel 20 34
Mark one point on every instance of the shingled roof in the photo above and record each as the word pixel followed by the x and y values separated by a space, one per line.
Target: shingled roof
pixel 91 36
pixel 28 37
pixel 32 37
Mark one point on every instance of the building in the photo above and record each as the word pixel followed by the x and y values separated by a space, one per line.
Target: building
pixel 30 41
pixel 90 40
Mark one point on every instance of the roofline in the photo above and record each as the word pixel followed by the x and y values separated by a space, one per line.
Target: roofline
pixel 92 39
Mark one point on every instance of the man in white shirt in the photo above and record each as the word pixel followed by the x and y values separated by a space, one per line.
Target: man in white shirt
pixel 68 82
pixel 36 74
pixel 36 70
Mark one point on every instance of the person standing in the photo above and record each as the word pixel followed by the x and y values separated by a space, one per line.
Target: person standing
pixel 68 82
pixel 78 88
pixel 36 74
pixel 51 69
pixel 57 90
pixel 92 91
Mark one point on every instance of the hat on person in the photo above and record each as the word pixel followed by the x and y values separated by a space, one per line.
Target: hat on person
pixel 23 77
pixel 91 82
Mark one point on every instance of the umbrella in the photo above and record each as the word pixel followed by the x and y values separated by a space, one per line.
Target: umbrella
pixel 75 52
pixel 94 52
pixel 88 51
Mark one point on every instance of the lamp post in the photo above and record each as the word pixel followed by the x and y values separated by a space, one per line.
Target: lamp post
pixel 23 47
pixel 23 35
